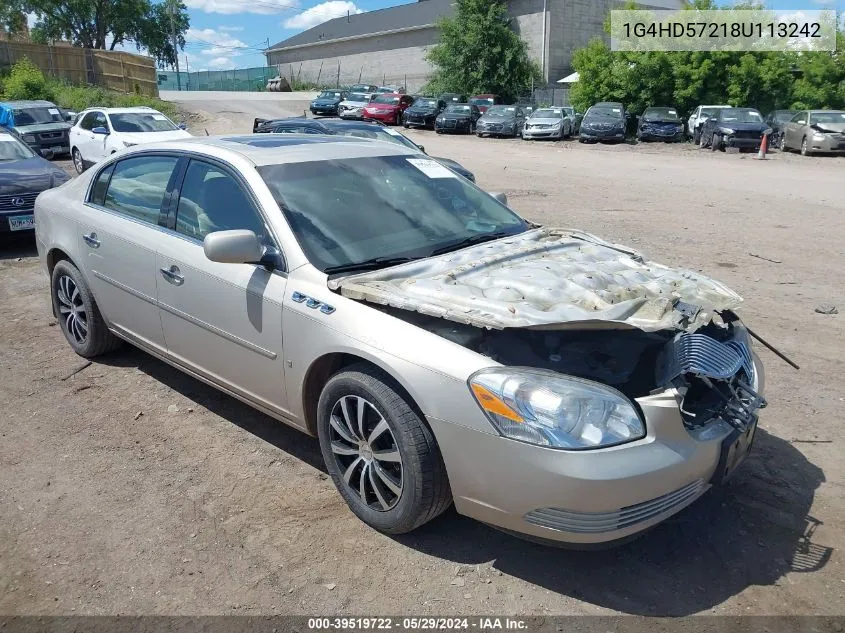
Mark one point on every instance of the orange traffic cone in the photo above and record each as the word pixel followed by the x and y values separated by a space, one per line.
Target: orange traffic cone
pixel 764 147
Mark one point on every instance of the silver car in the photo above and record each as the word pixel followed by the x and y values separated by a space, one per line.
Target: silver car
pixel 353 106
pixel 815 131
pixel 442 348
pixel 552 123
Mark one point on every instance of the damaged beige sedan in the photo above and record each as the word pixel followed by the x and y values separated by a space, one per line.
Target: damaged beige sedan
pixel 442 348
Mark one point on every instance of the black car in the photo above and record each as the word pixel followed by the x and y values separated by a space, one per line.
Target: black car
pixel 327 102
pixel 23 175
pixel 423 112
pixel 660 124
pixel 776 120
pixel 457 117
pixel 374 130
pixel 604 121
pixel 733 127
pixel 453 97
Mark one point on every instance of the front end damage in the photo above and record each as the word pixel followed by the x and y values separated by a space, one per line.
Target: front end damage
pixel 568 303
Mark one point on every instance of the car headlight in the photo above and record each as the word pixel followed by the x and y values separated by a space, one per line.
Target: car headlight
pixel 28 138
pixel 550 409
pixel 726 130
pixel 818 136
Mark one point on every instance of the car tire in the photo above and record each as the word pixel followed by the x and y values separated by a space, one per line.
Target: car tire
pixel 715 143
pixel 78 163
pixel 696 137
pixel 782 145
pixel 392 497
pixel 805 151
pixel 78 315
pixel 405 125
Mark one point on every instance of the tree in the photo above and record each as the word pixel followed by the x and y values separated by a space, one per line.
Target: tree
pixel 105 24
pixel 478 52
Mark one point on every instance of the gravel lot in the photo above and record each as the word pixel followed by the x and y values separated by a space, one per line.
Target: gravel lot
pixel 129 488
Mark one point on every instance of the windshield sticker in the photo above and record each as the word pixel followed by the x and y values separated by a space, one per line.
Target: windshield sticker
pixel 616 110
pixel 53 111
pixel 432 168
pixel 159 117
pixel 673 112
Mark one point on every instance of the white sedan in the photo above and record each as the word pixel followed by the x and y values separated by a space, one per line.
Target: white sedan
pixel 100 132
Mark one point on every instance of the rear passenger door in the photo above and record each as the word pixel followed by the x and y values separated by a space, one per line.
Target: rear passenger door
pixel 223 321
pixel 119 235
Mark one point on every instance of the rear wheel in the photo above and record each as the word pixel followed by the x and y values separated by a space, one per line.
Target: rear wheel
pixel 77 312
pixel 78 163
pixel 381 456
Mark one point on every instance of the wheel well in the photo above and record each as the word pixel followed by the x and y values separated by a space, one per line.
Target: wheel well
pixel 54 257
pixel 327 366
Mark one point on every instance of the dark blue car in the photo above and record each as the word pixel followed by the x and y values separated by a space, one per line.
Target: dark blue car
pixel 327 102
pixel 733 127
pixel 23 175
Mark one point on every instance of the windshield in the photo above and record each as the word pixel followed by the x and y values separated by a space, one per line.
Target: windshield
pixel 605 111
pixel 141 122
pixel 460 109
pixel 451 97
pixel 358 97
pixel 391 99
pixel 329 94
pixel 37 116
pixel 349 211
pixel 425 103
pixel 735 115
pixel 501 112
pixel 784 115
pixel 661 114
pixel 547 113
pixel 482 101
pixel 361 88
pixel 12 149
pixel 827 117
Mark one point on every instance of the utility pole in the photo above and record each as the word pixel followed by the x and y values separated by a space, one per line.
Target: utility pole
pixel 172 6
pixel 188 72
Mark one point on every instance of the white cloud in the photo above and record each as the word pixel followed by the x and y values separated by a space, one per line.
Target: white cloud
pixel 219 51
pixel 221 63
pixel 320 13
pixel 210 36
pixel 31 19
pixel 230 29
pixel 229 7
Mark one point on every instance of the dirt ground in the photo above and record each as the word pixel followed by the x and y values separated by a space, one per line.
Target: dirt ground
pixel 130 488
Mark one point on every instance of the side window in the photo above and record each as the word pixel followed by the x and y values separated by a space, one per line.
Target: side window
pixel 801 118
pixel 98 190
pixel 212 200
pixel 288 129
pixel 100 120
pixel 87 122
pixel 138 185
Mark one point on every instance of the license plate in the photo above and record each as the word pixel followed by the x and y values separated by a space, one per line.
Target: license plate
pixel 58 149
pixel 21 222
pixel 735 449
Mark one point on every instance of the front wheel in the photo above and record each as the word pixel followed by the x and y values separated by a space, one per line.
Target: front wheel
pixel 805 149
pixel 78 163
pixel 381 456
pixel 696 136
pixel 715 143
pixel 77 313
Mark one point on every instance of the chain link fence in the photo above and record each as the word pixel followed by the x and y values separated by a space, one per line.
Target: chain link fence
pixel 236 80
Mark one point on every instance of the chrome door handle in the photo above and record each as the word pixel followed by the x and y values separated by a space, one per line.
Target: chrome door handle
pixel 91 239
pixel 173 275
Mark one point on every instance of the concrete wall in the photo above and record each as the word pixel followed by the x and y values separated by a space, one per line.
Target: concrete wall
pixel 528 23
pixel 397 58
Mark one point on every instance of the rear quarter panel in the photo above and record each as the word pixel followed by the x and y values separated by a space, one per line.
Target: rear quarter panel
pixel 56 212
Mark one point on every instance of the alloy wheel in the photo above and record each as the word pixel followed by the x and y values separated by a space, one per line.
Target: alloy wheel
pixel 72 309
pixel 77 161
pixel 366 452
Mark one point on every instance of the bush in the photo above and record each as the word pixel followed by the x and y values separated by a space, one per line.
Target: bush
pixel 26 81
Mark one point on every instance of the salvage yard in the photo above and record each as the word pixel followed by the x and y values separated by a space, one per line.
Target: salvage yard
pixel 127 487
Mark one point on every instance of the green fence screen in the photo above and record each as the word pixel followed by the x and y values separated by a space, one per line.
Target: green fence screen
pixel 238 80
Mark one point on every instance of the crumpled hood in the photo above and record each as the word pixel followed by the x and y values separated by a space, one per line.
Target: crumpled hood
pixel 547 278
pixel 153 137
pixel 830 127
pixel 743 127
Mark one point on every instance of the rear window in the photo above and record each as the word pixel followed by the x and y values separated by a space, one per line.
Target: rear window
pixel 482 101
pixel 386 99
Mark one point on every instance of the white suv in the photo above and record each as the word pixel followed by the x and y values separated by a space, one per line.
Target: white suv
pixel 100 132
pixel 698 117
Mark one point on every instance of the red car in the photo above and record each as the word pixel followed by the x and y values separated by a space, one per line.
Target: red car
pixel 388 107
pixel 485 101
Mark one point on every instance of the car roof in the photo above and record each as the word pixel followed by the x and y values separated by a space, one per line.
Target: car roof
pixel 273 149
pixel 823 111
pixel 129 110
pixel 38 103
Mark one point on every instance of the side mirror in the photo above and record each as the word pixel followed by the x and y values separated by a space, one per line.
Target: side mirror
pixel 421 148
pixel 233 247
pixel 500 197
pixel 100 130
pixel 182 126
